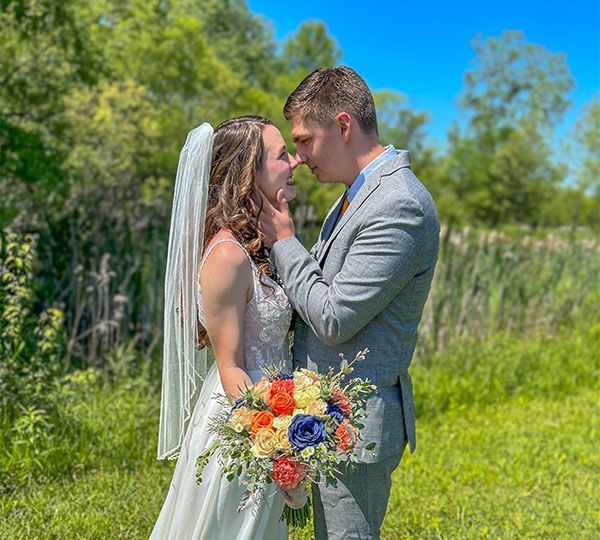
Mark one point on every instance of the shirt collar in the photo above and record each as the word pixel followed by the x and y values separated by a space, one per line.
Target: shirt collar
pixel 388 153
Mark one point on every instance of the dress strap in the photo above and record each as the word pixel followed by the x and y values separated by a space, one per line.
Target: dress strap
pixel 208 252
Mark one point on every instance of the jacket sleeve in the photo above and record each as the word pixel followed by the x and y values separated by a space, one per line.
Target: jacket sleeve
pixel 381 260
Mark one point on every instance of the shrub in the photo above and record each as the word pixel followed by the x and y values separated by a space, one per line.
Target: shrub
pixel 32 344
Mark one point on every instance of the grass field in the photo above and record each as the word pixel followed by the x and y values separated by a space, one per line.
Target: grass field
pixel 507 448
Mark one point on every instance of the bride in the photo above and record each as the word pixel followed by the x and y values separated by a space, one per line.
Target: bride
pixel 218 275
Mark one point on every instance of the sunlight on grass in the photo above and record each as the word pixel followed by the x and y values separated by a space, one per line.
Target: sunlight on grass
pixel 505 450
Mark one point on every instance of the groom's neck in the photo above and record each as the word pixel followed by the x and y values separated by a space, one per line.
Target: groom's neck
pixel 363 154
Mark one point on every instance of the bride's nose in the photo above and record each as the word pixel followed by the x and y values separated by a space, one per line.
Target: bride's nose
pixel 294 161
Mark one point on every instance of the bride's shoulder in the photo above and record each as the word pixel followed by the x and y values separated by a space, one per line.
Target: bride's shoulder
pixel 226 272
pixel 225 254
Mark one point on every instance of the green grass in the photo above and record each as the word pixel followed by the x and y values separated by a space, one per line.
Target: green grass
pixel 523 469
pixel 506 449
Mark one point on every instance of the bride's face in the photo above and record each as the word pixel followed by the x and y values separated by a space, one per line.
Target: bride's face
pixel 277 168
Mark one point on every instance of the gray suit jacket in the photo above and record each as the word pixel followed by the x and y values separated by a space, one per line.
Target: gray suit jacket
pixel 364 284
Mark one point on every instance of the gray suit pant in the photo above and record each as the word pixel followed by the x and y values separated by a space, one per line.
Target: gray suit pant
pixel 354 510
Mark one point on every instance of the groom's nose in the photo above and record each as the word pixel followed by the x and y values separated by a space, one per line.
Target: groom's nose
pixel 300 159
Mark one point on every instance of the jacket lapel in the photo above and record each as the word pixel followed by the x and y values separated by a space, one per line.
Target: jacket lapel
pixel 371 184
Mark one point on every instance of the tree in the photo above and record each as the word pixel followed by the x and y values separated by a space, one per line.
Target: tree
pixel 45 53
pixel 311 47
pixel 404 128
pixel 98 99
pixel 514 82
pixel 587 147
pixel 500 164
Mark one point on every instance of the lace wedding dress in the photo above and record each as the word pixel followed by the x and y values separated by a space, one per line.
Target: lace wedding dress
pixel 208 511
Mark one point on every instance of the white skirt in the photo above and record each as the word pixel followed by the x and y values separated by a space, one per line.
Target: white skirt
pixel 208 511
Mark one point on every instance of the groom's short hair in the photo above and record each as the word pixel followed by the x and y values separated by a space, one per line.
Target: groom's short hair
pixel 326 92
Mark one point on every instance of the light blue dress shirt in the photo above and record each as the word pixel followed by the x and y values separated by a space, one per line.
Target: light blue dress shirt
pixel 388 153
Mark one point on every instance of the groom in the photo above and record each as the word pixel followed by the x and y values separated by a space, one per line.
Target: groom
pixel 364 283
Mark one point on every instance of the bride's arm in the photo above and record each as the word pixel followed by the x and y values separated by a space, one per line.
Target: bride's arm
pixel 226 281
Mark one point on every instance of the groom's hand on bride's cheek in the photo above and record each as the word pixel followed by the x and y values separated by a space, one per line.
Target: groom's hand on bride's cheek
pixel 275 222
pixel 284 221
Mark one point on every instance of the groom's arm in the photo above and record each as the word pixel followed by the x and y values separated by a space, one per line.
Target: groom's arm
pixel 383 258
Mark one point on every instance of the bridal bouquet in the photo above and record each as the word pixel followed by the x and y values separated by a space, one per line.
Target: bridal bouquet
pixel 290 429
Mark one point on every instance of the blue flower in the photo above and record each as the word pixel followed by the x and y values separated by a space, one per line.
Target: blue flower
pixel 335 412
pixel 306 430
pixel 281 377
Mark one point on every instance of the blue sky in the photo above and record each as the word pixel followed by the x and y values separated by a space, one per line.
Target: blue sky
pixel 427 43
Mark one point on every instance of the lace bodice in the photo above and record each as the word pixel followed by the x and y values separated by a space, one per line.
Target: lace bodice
pixel 267 321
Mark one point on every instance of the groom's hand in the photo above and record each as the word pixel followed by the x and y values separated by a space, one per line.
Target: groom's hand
pixel 275 222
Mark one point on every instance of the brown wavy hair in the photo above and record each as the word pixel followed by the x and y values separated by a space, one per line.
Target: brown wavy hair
pixel 237 156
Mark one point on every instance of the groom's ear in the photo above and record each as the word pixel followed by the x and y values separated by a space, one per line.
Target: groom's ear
pixel 344 121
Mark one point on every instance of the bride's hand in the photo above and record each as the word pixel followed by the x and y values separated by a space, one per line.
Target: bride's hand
pixel 295 498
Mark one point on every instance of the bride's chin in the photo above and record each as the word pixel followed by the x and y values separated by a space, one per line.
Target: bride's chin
pixel 289 193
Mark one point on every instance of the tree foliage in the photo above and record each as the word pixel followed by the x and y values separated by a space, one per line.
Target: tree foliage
pixel 500 164
pixel 97 97
pixel 514 82
pixel 587 147
pixel 309 48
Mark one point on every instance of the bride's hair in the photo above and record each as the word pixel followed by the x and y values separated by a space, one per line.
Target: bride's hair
pixel 237 156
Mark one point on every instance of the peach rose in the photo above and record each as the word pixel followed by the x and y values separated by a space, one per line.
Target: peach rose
pixel 242 416
pixel 282 442
pixel 310 374
pixel 316 408
pixel 282 422
pixel 301 381
pixel 262 389
pixel 264 443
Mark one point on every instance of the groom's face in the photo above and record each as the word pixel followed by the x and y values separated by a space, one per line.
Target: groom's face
pixel 321 148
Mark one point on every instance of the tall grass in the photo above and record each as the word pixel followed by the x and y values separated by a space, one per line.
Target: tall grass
pixel 489 282
pixel 485 282
pixel 510 317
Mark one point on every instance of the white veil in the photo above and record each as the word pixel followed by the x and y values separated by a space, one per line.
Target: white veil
pixel 184 367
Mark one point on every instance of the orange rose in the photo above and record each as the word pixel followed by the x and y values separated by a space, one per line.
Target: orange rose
pixel 282 402
pixel 260 420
